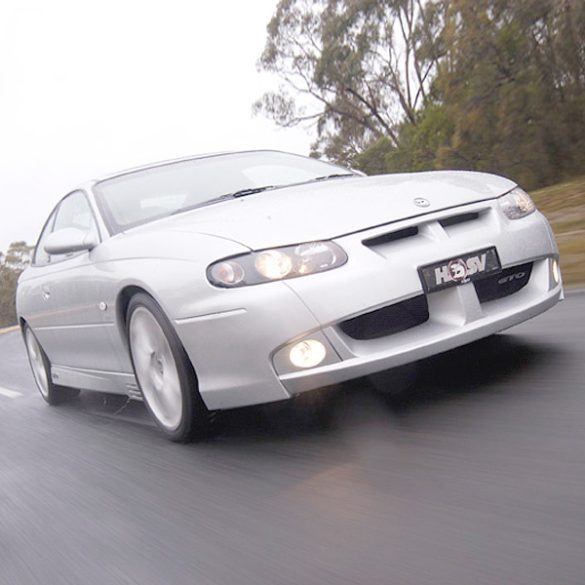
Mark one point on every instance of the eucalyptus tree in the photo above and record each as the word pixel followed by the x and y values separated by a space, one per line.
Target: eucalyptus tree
pixel 354 68
pixel 12 264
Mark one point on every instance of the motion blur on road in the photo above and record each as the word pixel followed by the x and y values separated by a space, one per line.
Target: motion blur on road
pixel 475 476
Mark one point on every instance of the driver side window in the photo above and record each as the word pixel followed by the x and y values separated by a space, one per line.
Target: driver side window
pixel 73 212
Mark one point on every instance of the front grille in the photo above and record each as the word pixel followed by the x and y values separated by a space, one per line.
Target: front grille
pixel 503 284
pixel 408 232
pixel 388 320
pixel 457 219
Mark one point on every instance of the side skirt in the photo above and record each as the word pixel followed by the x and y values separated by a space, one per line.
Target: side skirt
pixel 97 380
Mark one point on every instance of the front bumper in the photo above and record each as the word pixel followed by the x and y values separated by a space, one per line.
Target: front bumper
pixel 455 318
pixel 234 350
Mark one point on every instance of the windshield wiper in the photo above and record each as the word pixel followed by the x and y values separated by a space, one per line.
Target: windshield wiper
pixel 334 176
pixel 202 204
pixel 224 197
pixel 252 190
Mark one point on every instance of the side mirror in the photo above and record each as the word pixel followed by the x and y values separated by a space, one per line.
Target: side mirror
pixel 69 240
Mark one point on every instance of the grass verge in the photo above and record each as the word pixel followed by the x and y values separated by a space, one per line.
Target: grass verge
pixel 564 206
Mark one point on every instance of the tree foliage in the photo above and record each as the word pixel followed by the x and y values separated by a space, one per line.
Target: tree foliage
pixel 355 68
pixel 12 264
pixel 514 87
pixel 397 85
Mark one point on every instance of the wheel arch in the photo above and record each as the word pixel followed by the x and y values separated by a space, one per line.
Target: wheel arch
pixel 122 302
pixel 23 324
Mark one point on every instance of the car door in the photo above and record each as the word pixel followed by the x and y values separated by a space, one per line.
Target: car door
pixel 68 321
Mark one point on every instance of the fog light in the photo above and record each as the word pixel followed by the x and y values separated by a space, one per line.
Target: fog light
pixel 556 272
pixel 307 353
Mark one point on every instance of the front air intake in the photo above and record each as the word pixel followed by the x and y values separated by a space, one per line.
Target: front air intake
pixel 388 320
pixel 408 232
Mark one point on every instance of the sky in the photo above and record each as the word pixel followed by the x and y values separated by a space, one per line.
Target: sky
pixel 88 88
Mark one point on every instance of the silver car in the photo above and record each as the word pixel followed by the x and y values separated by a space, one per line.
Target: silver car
pixel 234 279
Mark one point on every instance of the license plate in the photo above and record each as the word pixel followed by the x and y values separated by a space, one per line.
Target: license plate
pixel 459 270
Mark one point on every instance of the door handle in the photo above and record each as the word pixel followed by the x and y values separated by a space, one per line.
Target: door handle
pixel 46 293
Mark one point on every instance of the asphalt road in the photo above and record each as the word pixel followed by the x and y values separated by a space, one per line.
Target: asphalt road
pixel 477 478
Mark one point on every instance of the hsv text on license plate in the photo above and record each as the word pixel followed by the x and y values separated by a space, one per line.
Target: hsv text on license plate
pixel 460 269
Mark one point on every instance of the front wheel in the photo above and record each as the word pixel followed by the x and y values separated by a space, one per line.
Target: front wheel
pixel 164 373
pixel 41 369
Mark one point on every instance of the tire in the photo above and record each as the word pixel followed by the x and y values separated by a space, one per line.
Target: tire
pixel 41 370
pixel 164 373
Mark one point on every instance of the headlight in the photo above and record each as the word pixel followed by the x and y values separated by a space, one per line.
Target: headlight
pixel 517 204
pixel 276 264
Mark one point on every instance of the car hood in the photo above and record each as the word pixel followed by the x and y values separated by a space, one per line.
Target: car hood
pixel 326 210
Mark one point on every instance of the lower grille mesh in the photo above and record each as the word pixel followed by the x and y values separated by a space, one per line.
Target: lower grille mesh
pixel 412 312
pixel 388 320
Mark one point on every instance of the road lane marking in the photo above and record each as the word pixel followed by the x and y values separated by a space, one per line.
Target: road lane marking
pixel 8 330
pixel 9 393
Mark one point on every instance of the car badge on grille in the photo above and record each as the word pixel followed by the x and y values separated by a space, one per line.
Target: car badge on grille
pixel 422 202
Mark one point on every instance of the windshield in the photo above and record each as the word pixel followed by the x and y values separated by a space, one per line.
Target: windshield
pixel 138 197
